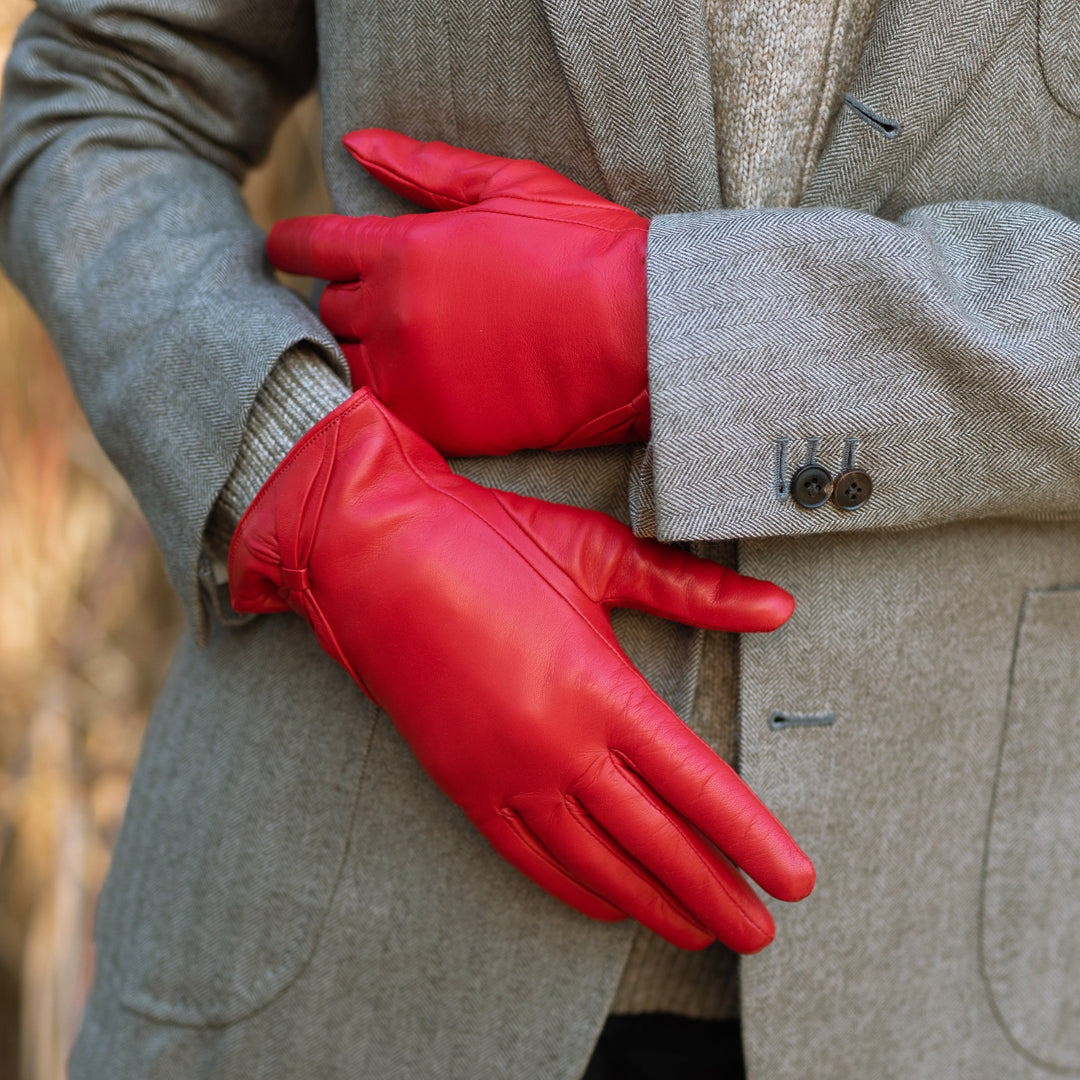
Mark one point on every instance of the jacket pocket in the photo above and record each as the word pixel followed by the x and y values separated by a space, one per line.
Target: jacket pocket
pixel 1030 919
pixel 1059 51
pixel 236 828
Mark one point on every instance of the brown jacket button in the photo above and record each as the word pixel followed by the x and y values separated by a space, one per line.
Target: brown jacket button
pixel 810 487
pixel 851 489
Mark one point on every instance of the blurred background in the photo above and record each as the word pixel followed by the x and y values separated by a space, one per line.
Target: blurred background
pixel 87 627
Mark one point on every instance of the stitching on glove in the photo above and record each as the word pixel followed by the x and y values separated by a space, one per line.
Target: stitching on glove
pixel 622 417
pixel 529 838
pixel 326 638
pixel 625 767
pixel 461 203
pixel 311 508
pixel 623 659
pixel 479 209
pixel 597 832
pixel 298 451
pixel 603 601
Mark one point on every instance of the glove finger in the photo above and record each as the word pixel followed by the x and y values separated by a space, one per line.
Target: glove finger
pixel 700 786
pixel 667 581
pixel 328 246
pixel 705 882
pixel 593 857
pixel 514 841
pixel 341 310
pixel 444 177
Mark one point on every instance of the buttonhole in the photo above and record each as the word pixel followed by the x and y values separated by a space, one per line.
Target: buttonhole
pixel 780 720
pixel 851 445
pixel 780 453
pixel 882 124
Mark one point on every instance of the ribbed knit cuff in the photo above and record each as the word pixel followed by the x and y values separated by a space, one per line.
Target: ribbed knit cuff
pixel 661 978
pixel 299 391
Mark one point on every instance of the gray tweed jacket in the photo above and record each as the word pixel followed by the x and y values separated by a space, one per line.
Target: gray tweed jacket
pixel 290 895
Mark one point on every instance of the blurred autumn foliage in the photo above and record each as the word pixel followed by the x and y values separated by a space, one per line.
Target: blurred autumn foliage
pixel 87 627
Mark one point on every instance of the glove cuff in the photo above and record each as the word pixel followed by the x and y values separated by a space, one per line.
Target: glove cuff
pixel 262 572
pixel 299 391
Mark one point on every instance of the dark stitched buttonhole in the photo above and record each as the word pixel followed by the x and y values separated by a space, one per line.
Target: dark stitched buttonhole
pixel 780 454
pixel 780 720
pixel 882 124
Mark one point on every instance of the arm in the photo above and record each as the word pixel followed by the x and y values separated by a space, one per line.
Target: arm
pixel 124 137
pixel 946 343
pixel 933 359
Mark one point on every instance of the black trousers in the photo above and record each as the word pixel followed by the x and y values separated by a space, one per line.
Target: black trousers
pixel 658 1046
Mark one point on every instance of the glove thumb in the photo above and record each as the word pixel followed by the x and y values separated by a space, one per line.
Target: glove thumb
pixel 443 177
pixel 619 569
pixel 670 582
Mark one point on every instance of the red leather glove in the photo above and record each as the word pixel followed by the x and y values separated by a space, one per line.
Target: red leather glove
pixel 479 621
pixel 514 319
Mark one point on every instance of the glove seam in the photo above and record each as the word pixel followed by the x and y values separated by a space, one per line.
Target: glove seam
pixel 291 459
pixel 527 836
pixel 476 209
pixel 621 416
pixel 313 501
pixel 624 764
pixel 371 165
pixel 576 810
pixel 622 658
pixel 308 600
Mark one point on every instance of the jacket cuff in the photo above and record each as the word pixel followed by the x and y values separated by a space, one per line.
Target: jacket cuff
pixel 818 370
pixel 746 386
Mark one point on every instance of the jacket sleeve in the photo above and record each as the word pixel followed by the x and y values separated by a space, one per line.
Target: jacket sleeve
pixel 938 353
pixel 126 130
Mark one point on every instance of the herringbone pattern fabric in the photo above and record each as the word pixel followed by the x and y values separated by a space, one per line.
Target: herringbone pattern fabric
pixel 131 239
pixel 910 640
pixel 946 343
pixel 658 152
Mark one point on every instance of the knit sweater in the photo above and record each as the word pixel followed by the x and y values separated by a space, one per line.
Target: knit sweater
pixel 779 69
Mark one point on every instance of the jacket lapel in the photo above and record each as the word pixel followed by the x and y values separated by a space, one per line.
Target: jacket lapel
pixel 639 77
pixel 918 64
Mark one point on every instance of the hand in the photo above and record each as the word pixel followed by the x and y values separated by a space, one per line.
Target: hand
pixel 514 318
pixel 479 621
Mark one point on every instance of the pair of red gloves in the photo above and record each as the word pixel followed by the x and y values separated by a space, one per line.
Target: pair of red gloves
pixel 479 620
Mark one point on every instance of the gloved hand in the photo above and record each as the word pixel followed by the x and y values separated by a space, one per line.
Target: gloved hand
pixel 513 319
pixel 479 621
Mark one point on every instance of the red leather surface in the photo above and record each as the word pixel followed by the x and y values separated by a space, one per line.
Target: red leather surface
pixel 479 620
pixel 513 317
